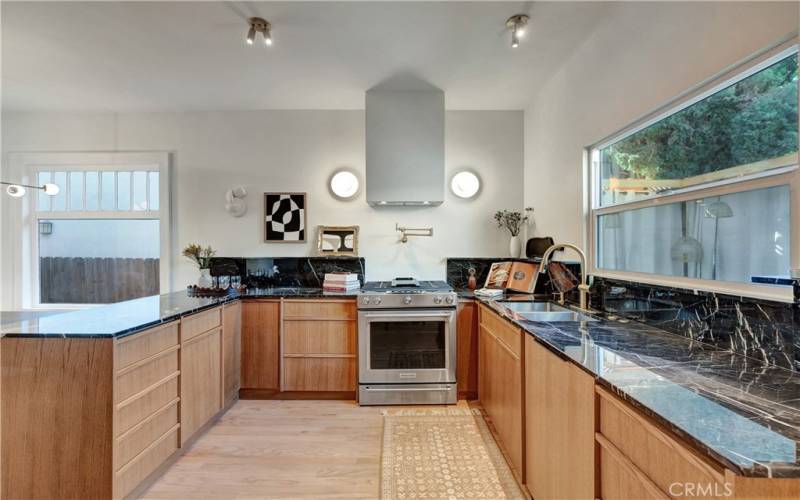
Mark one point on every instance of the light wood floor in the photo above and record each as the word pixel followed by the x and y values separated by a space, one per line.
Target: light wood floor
pixel 281 449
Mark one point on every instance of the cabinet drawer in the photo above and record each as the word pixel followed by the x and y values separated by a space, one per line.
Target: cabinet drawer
pixel 658 455
pixel 319 309
pixel 319 374
pixel 143 374
pixel 145 433
pixel 319 337
pixel 132 412
pixel 194 325
pixel 620 480
pixel 508 334
pixel 144 344
pixel 135 471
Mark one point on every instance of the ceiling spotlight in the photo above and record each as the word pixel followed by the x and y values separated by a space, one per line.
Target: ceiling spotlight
pixel 51 189
pixel 259 25
pixel 517 26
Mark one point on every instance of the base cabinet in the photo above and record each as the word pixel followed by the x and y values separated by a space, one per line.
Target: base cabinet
pixel 467 349
pixel 500 383
pixel 231 351
pixel 559 426
pixel 319 344
pixel 261 330
pixel 201 381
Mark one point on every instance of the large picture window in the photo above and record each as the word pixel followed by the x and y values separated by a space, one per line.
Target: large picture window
pixel 704 190
pixel 104 237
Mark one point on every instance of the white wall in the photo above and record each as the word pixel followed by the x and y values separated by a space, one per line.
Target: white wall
pixel 639 57
pixel 297 151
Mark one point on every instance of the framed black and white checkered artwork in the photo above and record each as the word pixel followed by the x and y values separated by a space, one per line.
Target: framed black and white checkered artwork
pixel 284 217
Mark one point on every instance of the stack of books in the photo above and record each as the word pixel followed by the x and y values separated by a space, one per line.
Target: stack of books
pixel 341 282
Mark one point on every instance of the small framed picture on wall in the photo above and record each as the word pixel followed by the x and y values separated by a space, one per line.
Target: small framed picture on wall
pixel 284 217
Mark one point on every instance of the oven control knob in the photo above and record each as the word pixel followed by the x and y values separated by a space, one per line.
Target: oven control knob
pixel 376 301
pixel 437 300
pixel 365 300
pixel 406 300
pixel 450 300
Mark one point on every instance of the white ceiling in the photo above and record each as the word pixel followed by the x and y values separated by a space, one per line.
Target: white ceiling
pixel 145 56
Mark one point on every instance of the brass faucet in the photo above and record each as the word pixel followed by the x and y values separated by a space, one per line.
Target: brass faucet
pixel 583 288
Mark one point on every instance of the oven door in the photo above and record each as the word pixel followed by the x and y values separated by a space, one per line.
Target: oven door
pixel 407 346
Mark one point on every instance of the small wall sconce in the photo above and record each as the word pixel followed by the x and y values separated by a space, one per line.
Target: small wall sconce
pixel 465 184
pixel 234 201
pixel 344 184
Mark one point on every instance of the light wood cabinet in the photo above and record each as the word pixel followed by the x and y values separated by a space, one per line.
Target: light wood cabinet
pixel 653 459
pixel 261 326
pixel 319 345
pixel 201 381
pixel 500 383
pixel 559 426
pixel 231 351
pixel 467 349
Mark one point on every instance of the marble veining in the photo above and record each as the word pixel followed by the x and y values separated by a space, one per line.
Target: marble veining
pixel 743 412
pixel 264 272
pixel 760 329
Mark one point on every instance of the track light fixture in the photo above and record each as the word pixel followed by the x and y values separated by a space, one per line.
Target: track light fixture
pixel 517 25
pixel 19 190
pixel 259 25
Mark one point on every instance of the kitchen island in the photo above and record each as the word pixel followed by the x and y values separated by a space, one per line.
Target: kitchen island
pixel 103 399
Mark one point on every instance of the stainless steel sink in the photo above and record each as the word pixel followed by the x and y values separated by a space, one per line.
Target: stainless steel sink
pixel 529 307
pixel 552 316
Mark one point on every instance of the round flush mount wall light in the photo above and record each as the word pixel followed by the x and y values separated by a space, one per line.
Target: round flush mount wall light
pixel 465 184
pixel 344 184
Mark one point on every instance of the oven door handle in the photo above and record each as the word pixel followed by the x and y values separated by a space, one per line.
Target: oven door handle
pixel 394 315
pixel 407 389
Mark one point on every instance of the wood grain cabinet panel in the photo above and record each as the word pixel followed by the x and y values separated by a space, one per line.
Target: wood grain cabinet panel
pixel 320 309
pixel 142 375
pixel 231 351
pixel 134 410
pixel 261 344
pixel 500 386
pixel 145 433
pixel 467 349
pixel 201 381
pixel 319 337
pixel 658 455
pixel 621 480
pixel 319 374
pixel 145 463
pixel 128 350
pixel 195 324
pixel 57 407
pixel 559 426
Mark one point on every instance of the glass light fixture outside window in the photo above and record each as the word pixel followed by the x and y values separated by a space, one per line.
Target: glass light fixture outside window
pixel 465 184
pixel 344 184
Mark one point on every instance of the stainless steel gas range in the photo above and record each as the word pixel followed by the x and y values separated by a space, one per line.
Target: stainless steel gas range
pixel 407 342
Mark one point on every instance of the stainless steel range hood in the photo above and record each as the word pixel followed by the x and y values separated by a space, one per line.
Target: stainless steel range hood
pixel 405 145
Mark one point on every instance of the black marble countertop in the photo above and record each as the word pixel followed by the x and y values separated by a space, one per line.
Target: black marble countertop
pixel 738 410
pixel 125 318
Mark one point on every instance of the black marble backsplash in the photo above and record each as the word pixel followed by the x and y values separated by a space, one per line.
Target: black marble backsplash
pixel 458 271
pixel 264 272
pixel 761 329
